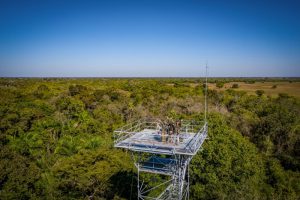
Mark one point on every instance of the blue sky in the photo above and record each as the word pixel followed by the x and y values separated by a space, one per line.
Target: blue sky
pixel 149 38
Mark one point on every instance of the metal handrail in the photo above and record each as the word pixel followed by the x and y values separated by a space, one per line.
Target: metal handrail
pixel 188 127
pixel 191 145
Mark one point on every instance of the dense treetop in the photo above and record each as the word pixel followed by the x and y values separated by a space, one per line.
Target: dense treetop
pixel 56 138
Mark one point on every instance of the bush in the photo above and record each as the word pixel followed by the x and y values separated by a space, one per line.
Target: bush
pixel 259 92
pixel 220 84
pixel 250 81
pixel 235 85
pixel 283 95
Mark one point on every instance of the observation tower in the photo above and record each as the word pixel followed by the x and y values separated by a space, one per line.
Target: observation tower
pixel 163 147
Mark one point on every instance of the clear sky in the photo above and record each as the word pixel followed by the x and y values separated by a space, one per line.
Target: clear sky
pixel 149 38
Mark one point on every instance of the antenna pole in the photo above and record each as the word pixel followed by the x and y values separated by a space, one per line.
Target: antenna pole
pixel 205 101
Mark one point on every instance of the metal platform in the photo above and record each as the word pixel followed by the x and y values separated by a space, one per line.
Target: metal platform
pixel 146 136
pixel 159 150
pixel 165 148
pixel 164 166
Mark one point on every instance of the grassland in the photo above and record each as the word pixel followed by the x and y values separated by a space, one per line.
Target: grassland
pixel 270 88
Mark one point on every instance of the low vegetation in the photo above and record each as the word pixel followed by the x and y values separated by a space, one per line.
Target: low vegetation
pixel 271 88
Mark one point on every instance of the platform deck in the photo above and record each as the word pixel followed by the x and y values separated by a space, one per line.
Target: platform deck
pixel 151 141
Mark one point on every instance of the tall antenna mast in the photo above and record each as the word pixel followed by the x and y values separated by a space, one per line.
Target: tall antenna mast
pixel 157 150
pixel 205 101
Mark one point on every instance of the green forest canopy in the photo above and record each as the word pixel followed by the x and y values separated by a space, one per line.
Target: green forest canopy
pixel 56 138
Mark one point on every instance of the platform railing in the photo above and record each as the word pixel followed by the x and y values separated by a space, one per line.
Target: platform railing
pixel 197 140
pixel 134 127
pixel 187 127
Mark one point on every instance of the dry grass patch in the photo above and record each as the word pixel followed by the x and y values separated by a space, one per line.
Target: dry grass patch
pixel 270 88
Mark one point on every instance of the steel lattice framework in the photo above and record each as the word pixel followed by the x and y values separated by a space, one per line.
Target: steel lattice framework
pixel 168 155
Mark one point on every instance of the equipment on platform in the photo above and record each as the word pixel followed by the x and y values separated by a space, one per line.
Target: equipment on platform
pixel 163 147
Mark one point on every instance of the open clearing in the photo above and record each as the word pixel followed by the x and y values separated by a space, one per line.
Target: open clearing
pixel 292 89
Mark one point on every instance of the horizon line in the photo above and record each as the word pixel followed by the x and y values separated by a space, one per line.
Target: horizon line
pixel 136 77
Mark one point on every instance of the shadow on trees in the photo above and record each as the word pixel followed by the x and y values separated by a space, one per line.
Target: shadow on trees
pixel 123 185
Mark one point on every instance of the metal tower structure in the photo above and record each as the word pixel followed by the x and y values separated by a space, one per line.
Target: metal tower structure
pixel 164 148
pixel 159 153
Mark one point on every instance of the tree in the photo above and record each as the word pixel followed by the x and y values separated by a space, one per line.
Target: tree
pixel 18 176
pixel 42 91
pixel 89 174
pixel 99 94
pixel 71 107
pixel 76 89
pixel 228 167
pixel 55 145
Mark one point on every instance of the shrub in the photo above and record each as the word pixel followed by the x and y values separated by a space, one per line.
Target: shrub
pixel 259 92
pixel 219 84
pixel 250 81
pixel 235 85
pixel 283 95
